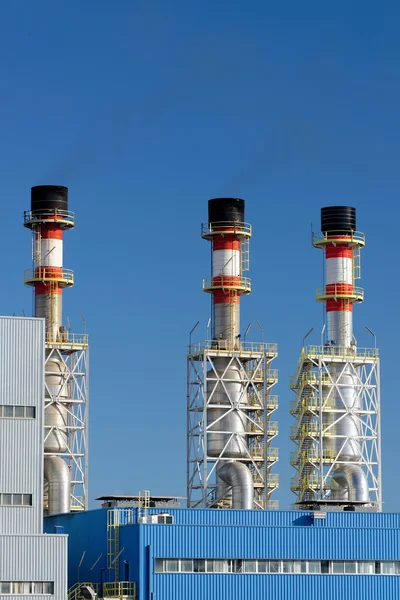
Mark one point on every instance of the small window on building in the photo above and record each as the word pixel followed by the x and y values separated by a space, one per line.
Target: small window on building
pixel 250 566
pixel 238 565
pixel 6 499
pixel 209 566
pixel 172 565
pixel 159 565
pixel 263 566
pixel 338 566
pixel 350 567
pixel 388 568
pixel 274 566
pixel 366 567
pixel 186 566
pixel 199 565
pixel 48 587
pixel 5 587
pixel 8 411
pixel 37 587
pixel 299 566
pixel 17 499
pixel 287 566
pixel 221 566
pixel 325 567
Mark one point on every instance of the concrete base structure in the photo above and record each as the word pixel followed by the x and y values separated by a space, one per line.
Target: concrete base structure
pixel 225 554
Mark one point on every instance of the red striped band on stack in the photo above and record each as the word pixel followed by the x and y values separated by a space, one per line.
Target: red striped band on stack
pixel 226 282
pixel 51 258
pixel 339 277
pixel 226 268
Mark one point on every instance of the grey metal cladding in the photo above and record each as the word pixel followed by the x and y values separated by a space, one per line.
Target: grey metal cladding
pixel 21 440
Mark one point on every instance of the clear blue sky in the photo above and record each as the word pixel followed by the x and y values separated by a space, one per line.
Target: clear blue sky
pixel 146 109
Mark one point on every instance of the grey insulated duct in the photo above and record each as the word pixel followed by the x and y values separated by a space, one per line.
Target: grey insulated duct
pixel 237 476
pixel 57 476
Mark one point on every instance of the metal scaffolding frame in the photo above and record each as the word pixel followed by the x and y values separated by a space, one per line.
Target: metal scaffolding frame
pixel 317 384
pixel 73 355
pixel 253 361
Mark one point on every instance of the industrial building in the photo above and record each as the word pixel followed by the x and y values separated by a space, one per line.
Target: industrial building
pixel 228 542
pixel 31 564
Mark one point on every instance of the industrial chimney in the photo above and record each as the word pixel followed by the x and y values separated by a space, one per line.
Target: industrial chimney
pixel 229 382
pixel 337 386
pixel 66 367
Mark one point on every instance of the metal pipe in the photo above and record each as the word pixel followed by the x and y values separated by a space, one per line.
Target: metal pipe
pixel 352 479
pixel 57 476
pixel 238 477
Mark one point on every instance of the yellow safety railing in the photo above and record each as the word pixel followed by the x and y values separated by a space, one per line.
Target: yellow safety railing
pixel 271 375
pixel 257 453
pixel 227 282
pixel 308 378
pixel 272 428
pixel 272 455
pixel 270 350
pixel 119 589
pixel 339 292
pixel 272 402
pixel 218 227
pixel 44 214
pixel 339 352
pixel 256 426
pixel 32 276
pixel 273 480
pixel 74 592
pixel 68 339
pixel 356 238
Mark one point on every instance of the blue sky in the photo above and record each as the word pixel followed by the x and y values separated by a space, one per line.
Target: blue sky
pixel 147 109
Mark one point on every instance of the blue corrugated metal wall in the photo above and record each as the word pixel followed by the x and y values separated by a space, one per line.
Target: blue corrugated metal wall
pixel 276 587
pixel 239 534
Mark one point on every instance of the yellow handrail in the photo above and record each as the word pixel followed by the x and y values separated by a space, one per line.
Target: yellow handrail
pixel 235 227
pixel 119 589
pixel 74 592
pixel 352 237
pixel 227 282
pixel 48 274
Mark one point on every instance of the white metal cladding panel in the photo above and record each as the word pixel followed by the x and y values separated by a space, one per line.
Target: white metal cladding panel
pixel 21 473
pixel 279 587
pixel 179 541
pixel 35 558
pixel 21 361
pixel 339 270
pixel 21 440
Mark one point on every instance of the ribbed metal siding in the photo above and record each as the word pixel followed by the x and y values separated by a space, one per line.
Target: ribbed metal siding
pixel 35 558
pixel 285 587
pixel 87 533
pixel 269 542
pixel 281 518
pixel 21 451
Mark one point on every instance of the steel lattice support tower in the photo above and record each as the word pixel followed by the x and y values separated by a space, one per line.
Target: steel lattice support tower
pixel 337 386
pixel 229 383
pixel 66 366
